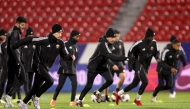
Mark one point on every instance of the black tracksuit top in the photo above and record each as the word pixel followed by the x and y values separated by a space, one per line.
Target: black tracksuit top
pixel 169 59
pixel 69 65
pixel 144 50
pixel 101 55
pixel 3 53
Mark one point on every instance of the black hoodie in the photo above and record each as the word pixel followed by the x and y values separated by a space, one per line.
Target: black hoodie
pixel 69 66
pixel 101 55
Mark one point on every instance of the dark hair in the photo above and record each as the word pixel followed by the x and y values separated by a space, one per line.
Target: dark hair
pixel 20 19
pixel 117 32
pixel 175 41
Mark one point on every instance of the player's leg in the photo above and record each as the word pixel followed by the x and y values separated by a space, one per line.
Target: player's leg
pixel 90 79
pixel 172 90
pixel 169 81
pixel 26 88
pixel 62 79
pixel 159 87
pixel 3 79
pixel 30 79
pixel 73 79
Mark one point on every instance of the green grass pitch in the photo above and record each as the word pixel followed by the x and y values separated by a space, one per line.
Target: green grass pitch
pixel 182 101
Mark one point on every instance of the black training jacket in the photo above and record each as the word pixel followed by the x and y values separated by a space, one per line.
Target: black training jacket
pixel 169 59
pixel 69 66
pixel 101 55
pixel 3 53
pixel 143 51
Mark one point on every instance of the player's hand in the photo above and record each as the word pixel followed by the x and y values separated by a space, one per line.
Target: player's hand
pixel 73 57
pixel 158 60
pixel 173 70
pixel 115 67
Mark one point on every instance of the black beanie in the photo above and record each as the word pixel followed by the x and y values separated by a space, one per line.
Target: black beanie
pixel 110 33
pixel 29 31
pixel 172 38
pixel 74 33
pixel 3 32
pixel 149 33
pixel 56 28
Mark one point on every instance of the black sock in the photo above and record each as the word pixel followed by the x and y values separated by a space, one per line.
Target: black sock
pixel 117 89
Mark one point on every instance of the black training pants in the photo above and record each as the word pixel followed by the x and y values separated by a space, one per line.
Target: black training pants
pixel 140 75
pixel 62 79
pixel 161 77
pixel 90 79
pixel 42 82
pixel 3 79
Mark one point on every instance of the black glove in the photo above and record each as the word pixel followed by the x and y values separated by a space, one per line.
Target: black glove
pixel 131 64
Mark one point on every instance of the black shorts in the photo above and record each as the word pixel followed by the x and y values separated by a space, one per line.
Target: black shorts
pixel 121 70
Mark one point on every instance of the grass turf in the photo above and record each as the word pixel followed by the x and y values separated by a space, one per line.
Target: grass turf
pixel 181 102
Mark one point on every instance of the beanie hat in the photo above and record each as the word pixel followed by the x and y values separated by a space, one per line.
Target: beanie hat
pixel 149 33
pixel 110 33
pixel 3 32
pixel 56 28
pixel 29 31
pixel 74 33
pixel 172 38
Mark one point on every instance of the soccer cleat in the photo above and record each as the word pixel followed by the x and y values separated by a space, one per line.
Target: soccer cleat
pixel 2 102
pixel 79 103
pixel 117 97
pixel 36 102
pixel 98 96
pixel 172 95
pixel 29 103
pixel 52 103
pixel 22 105
pixel 72 104
pixel 138 102
pixel 8 101
pixel 153 99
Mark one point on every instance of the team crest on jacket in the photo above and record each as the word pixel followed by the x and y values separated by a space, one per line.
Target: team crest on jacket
pixel 113 48
pixel 76 50
pixel 152 48
pixel 120 47
pixel 34 46
pixel 25 46
pixel 177 56
pixel 57 46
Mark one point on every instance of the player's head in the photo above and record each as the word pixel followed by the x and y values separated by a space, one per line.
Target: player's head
pixel 29 32
pixel 150 34
pixel 20 22
pixel 172 38
pixel 75 35
pixel 3 34
pixel 110 35
pixel 117 35
pixel 57 31
pixel 176 44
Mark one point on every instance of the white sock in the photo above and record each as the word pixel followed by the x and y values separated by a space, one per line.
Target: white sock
pixel 120 92
pixel 138 97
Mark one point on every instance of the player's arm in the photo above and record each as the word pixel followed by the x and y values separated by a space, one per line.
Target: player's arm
pixel 123 52
pixel 157 53
pixel 105 51
pixel 63 65
pixel 64 52
pixel 133 49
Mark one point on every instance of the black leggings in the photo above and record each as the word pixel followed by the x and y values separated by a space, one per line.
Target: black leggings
pixel 140 75
pixel 169 82
pixel 62 79
pixel 90 79
pixel 3 79
pixel 42 82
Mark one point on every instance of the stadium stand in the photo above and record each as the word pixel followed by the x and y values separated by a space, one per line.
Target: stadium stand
pixel 90 17
pixel 165 17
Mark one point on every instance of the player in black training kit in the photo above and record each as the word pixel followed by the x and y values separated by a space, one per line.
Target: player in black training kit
pixel 68 68
pixel 117 49
pixel 3 63
pixel 98 65
pixel 167 67
pixel 16 78
pixel 48 49
pixel 27 52
pixel 142 52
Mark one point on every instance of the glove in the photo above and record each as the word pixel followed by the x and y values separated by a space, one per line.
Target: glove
pixel 131 64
